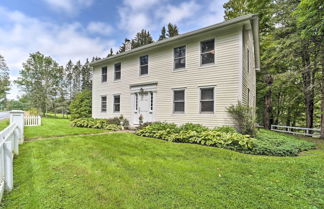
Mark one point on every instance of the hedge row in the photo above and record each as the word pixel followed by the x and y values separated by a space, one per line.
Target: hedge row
pixel 112 124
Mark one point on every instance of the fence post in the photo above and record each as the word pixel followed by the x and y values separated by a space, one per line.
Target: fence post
pixel 8 157
pixel 17 117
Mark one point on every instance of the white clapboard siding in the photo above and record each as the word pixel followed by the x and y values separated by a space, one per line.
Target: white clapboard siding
pixel 10 138
pixel 314 132
pixel 32 120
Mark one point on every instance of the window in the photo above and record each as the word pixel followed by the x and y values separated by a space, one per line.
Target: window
pixel 104 104
pixel 207 51
pixel 144 65
pixel 248 60
pixel 178 101
pixel 180 57
pixel 136 101
pixel 207 100
pixel 104 74
pixel 117 71
pixel 117 103
pixel 151 105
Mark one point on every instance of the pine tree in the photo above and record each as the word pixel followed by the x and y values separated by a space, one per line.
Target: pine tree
pixel 111 53
pixel 172 30
pixel 142 38
pixel 163 34
pixel 86 75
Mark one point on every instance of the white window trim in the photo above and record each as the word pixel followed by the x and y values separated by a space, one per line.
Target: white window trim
pixel 173 58
pixel 214 94
pixel 102 74
pixel 115 71
pixel 200 59
pixel 185 99
pixel 113 102
pixel 148 66
pixel 101 103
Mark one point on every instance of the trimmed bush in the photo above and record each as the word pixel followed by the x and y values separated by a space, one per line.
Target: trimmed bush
pixel 80 107
pixel 95 123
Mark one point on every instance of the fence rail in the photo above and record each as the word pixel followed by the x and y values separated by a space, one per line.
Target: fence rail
pixel 10 138
pixel 314 132
pixel 31 120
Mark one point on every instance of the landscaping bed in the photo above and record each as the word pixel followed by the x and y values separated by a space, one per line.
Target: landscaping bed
pixel 265 142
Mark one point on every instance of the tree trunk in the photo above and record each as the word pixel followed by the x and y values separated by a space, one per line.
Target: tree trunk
pixel 308 84
pixel 267 118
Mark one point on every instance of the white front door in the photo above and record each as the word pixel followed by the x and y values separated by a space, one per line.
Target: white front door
pixel 143 107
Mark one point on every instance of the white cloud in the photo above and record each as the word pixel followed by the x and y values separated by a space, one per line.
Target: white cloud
pixel 99 28
pixel 69 6
pixel 178 13
pixel 23 35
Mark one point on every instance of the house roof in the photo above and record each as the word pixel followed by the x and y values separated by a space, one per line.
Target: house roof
pixel 181 36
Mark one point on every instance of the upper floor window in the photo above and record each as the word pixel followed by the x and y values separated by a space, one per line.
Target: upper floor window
pixel 207 51
pixel 178 101
pixel 104 74
pixel 180 57
pixel 104 104
pixel 207 100
pixel 117 71
pixel 117 103
pixel 144 65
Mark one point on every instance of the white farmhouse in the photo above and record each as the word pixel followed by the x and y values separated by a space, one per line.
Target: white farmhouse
pixel 192 77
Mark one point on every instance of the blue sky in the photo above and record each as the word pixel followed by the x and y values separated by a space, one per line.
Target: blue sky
pixel 80 29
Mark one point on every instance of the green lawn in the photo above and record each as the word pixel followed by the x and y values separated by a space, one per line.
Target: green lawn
pixel 3 124
pixel 56 127
pixel 122 170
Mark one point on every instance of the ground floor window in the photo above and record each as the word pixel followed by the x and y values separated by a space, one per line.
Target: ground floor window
pixel 179 101
pixel 103 103
pixel 117 103
pixel 207 100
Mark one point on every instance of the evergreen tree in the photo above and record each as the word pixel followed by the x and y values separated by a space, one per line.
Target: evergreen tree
pixel 163 34
pixel 76 82
pixel 142 38
pixel 172 30
pixel 111 53
pixel 86 75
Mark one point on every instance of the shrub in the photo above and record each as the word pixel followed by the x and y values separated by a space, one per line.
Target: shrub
pixel 81 105
pixel 95 123
pixel 265 143
pixel 193 127
pixel 194 133
pixel 226 129
pixel 244 118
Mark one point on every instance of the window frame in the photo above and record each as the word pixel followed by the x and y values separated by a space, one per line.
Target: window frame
pixel 185 57
pixel 102 74
pixel 200 49
pixel 200 100
pixel 115 79
pixel 114 109
pixel 101 107
pixel 184 101
pixel 140 66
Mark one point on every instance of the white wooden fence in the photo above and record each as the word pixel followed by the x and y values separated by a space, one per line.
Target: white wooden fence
pixel 314 132
pixel 32 120
pixel 10 138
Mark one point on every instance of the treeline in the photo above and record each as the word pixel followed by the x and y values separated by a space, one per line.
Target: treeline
pixel 144 37
pixel 290 85
pixel 49 87
pixel 4 82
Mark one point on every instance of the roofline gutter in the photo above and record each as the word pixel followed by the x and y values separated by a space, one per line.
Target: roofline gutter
pixel 176 38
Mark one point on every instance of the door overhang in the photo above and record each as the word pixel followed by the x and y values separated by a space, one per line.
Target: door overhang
pixel 149 86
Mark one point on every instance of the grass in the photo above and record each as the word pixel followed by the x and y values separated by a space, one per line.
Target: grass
pixel 122 170
pixel 3 124
pixel 56 127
